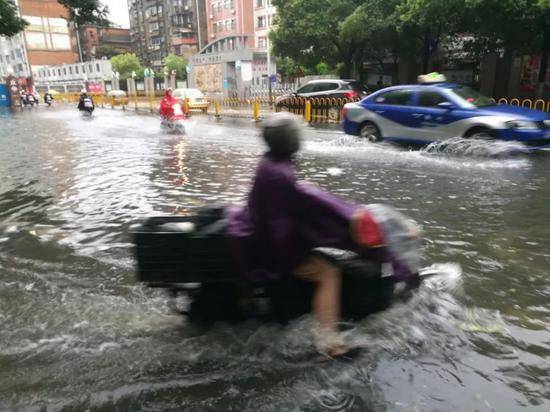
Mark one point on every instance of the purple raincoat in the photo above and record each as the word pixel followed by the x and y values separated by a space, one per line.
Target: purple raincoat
pixel 284 220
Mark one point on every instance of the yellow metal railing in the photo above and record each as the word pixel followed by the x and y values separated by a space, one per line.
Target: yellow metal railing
pixel 536 104
pixel 313 110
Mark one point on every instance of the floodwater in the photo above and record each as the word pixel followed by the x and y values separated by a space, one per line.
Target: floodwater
pixel 78 332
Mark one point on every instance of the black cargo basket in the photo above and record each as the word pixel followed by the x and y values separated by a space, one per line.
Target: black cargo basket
pixel 170 257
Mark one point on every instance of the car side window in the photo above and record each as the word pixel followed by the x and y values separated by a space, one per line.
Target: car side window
pixel 395 97
pixel 325 87
pixel 430 98
pixel 308 88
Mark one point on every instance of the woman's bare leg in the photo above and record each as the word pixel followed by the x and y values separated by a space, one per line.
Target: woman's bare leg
pixel 326 300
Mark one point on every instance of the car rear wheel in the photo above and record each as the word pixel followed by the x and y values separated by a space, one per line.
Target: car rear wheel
pixel 480 133
pixel 370 132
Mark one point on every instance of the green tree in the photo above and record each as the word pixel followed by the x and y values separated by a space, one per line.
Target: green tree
pixel 430 23
pixel 10 22
pixel 307 31
pixel 177 63
pixel 511 25
pixel 125 64
pixel 82 12
pixel 108 52
pixel 323 68
pixel 374 28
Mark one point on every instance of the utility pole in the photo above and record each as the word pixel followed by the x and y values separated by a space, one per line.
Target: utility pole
pixel 198 24
pixel 268 46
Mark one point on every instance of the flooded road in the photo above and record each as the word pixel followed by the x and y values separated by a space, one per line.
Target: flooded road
pixel 78 333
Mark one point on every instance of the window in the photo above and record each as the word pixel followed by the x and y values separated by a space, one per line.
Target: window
pixel 395 97
pixel 65 71
pixel 97 67
pixel 90 68
pixel 70 70
pixel 259 3
pixel 308 88
pixel 260 22
pixel 35 23
pixel 472 96
pixel 61 41
pixel 76 69
pixel 430 98
pixel 35 40
pixel 58 25
pixel 262 43
pixel 233 24
pixel 153 27
pixel 59 72
pixel 325 87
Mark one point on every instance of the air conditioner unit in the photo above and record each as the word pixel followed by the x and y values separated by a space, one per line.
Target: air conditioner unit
pixel 211 16
pixel 232 11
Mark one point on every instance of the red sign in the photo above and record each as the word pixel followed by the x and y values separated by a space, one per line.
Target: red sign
pixel 95 88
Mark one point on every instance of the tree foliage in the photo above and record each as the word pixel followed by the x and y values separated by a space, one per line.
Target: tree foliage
pixel 307 31
pixel 125 64
pixel 177 63
pixel 108 52
pixel 348 32
pixel 10 22
pixel 82 12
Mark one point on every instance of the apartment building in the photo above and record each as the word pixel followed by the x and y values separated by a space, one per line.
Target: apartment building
pixel 13 55
pixel 230 17
pixel 94 38
pixel 264 15
pixel 48 38
pixel 161 27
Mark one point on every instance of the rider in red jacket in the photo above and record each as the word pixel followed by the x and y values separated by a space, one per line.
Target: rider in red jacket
pixel 167 109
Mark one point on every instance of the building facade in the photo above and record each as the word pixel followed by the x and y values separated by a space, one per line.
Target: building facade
pixel 73 77
pixel 96 40
pixel 13 55
pixel 162 27
pixel 230 17
pixel 264 14
pixel 48 38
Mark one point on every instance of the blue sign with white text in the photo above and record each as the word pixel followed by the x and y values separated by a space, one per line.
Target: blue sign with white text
pixel 4 95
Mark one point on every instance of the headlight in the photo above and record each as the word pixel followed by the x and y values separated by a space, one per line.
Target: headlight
pixel 521 124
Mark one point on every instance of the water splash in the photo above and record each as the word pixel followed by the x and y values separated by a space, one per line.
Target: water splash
pixel 475 148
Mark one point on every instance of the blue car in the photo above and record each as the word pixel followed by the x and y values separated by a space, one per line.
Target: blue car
pixel 424 113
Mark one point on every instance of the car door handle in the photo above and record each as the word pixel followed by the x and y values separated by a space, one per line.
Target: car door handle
pixel 379 111
pixel 417 115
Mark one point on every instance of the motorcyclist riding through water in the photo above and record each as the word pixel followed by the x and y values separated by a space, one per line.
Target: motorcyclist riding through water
pixel 171 113
pixel 48 98
pixel 86 103
pixel 284 221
